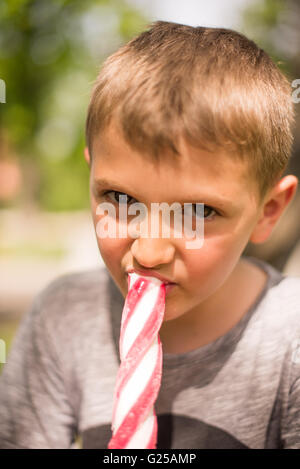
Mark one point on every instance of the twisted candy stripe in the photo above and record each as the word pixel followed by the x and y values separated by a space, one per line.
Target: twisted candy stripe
pixel 134 422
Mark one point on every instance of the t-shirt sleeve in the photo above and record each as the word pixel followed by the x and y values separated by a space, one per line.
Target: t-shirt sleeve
pixel 35 411
pixel 291 420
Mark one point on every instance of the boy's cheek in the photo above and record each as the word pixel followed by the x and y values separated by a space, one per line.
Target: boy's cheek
pixel 209 265
pixel 110 250
pixel 113 255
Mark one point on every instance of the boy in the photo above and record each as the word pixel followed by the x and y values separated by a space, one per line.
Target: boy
pixel 179 114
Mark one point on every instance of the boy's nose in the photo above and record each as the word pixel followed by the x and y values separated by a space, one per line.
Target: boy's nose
pixel 150 252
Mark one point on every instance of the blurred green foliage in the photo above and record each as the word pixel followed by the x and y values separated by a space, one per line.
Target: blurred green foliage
pixel 271 24
pixel 50 54
pixel 33 250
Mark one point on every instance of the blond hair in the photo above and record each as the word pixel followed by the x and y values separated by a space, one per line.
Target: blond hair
pixel 213 86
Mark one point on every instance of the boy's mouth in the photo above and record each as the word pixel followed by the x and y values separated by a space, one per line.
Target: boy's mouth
pixel 151 273
pixel 168 285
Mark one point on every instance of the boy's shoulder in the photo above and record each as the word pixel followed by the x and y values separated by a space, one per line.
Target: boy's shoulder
pixel 287 292
pixel 277 309
pixel 281 289
pixel 281 308
pixel 72 295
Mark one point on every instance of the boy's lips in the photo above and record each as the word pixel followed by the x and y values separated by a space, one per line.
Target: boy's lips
pixel 152 273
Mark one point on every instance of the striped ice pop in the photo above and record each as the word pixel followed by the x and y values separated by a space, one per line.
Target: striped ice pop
pixel 134 422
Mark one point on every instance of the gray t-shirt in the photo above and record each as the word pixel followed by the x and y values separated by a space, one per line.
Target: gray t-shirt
pixel 239 391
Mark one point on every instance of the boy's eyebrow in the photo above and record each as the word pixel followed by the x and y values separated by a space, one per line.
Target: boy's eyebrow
pixel 213 200
pixel 99 183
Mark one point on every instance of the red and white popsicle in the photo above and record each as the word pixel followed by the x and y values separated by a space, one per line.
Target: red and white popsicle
pixel 134 422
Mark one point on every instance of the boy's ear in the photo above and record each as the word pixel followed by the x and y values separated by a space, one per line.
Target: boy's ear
pixel 87 156
pixel 276 202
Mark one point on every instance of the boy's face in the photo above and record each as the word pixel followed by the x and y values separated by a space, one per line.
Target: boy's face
pixel 196 176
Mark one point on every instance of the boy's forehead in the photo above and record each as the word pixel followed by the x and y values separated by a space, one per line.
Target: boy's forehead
pixel 111 143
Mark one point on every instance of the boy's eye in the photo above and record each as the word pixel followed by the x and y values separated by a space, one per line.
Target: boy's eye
pixel 207 209
pixel 116 198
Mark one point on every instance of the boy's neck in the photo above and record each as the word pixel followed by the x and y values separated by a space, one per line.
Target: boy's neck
pixel 190 332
